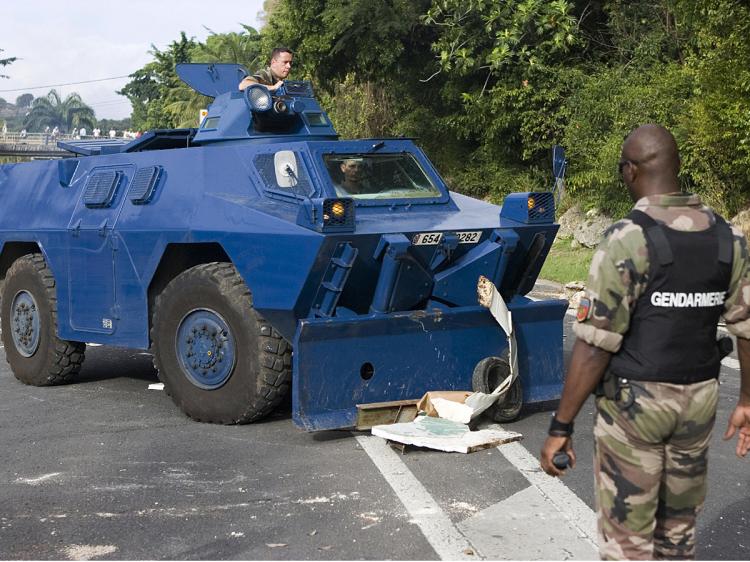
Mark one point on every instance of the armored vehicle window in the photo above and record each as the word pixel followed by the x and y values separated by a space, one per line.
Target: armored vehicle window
pixel 264 163
pixel 315 119
pixel 379 176
pixel 211 123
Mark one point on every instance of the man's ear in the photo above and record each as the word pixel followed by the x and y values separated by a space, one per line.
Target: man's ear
pixel 635 171
pixel 630 172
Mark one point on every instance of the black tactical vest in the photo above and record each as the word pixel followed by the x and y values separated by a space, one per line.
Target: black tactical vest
pixel 672 333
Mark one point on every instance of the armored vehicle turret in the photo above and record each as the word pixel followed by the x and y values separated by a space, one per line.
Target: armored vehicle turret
pixel 260 252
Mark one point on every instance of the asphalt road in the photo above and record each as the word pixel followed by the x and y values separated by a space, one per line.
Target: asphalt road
pixel 107 469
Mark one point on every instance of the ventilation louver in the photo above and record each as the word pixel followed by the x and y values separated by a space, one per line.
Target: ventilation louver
pixel 101 188
pixel 144 185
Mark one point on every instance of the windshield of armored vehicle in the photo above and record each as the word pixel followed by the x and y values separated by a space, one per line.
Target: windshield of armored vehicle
pixel 379 176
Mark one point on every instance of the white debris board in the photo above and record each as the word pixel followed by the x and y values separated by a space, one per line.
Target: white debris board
pixel 444 435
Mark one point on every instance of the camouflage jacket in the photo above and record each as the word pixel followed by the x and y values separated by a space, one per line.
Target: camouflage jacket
pixel 265 77
pixel 619 271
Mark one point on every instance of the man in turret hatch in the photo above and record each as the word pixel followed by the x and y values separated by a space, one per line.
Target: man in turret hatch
pixel 272 76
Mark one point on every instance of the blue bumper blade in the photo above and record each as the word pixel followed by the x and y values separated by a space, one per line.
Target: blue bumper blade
pixel 342 362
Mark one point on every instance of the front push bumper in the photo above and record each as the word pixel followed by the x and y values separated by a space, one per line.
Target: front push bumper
pixel 341 362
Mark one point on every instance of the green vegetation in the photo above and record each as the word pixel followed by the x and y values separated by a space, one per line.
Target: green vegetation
pixel 489 86
pixel 117 124
pixel 24 101
pixel 161 100
pixel 565 264
pixel 53 111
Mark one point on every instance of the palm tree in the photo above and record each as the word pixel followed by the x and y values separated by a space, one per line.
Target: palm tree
pixel 182 102
pixel 53 111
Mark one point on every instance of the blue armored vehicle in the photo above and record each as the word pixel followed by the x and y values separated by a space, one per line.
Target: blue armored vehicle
pixel 259 252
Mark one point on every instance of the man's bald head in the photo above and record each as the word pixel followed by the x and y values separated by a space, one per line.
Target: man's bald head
pixel 650 161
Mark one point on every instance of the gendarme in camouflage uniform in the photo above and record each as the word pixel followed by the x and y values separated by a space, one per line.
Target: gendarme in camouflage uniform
pixel 651 457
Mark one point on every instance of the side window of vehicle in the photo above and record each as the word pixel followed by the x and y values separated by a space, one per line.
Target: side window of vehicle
pixel 298 185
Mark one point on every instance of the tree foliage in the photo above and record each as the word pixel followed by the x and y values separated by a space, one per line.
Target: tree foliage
pixel 24 100
pixel 158 96
pixel 53 111
pixel 489 87
pixel 150 85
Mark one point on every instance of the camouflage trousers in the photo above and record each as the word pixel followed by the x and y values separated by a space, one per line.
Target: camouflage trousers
pixel 650 463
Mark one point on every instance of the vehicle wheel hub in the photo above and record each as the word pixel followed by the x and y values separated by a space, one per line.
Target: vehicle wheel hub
pixel 205 349
pixel 25 323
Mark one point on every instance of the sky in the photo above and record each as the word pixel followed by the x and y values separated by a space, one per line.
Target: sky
pixel 64 41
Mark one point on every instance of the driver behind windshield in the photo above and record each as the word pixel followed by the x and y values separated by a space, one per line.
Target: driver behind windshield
pixel 355 178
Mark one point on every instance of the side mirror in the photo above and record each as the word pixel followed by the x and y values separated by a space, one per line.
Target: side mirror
pixel 558 161
pixel 285 166
pixel 558 171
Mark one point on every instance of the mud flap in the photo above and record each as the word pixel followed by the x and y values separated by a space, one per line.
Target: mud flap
pixel 341 362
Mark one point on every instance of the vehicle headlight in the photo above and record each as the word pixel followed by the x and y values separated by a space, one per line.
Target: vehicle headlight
pixel 258 97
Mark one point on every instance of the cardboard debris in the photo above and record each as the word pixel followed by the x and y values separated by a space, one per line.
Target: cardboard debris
pixel 454 411
pixel 426 404
pixel 444 435
pixel 446 414
pixel 378 413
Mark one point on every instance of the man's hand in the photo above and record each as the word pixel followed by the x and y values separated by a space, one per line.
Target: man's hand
pixel 276 86
pixel 551 446
pixel 740 419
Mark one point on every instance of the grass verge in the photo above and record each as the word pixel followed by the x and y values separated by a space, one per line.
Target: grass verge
pixel 565 264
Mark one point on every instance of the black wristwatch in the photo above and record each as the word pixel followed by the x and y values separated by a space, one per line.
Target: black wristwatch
pixel 560 429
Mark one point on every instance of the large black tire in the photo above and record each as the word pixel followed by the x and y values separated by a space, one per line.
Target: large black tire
pixel 29 324
pixel 204 321
pixel 489 373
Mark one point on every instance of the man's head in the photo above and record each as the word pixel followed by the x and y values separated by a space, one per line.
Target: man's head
pixel 352 169
pixel 354 174
pixel 649 162
pixel 281 62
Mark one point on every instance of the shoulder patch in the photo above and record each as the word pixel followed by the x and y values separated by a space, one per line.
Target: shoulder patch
pixel 584 309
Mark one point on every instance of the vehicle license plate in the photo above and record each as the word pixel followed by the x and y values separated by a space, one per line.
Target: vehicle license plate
pixel 471 237
pixel 433 238
pixel 427 238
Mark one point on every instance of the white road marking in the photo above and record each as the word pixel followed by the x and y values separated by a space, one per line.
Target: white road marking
pixel 525 527
pixel 545 507
pixel 87 551
pixel 571 507
pixel 447 541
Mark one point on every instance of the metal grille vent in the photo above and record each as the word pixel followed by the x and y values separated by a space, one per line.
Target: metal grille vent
pixel 101 188
pixel 544 208
pixel 345 220
pixel 144 185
